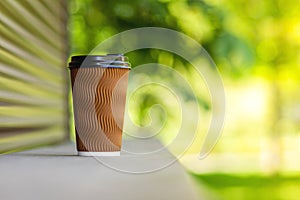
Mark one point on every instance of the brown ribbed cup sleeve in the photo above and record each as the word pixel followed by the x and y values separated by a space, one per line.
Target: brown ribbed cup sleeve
pixel 99 96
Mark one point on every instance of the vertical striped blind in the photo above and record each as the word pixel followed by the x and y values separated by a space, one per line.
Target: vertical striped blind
pixel 33 75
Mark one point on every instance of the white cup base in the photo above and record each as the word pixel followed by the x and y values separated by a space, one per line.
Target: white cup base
pixel 108 153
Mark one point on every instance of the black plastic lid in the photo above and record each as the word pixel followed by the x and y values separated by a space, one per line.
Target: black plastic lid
pixel 109 60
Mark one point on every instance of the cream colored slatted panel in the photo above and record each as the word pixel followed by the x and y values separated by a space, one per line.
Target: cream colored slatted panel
pixel 33 75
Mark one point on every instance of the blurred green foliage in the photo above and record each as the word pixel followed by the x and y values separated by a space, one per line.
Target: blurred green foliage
pixel 238 34
pixel 245 38
pixel 248 187
pixel 255 45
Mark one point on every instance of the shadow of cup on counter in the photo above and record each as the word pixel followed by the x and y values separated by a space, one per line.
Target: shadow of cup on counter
pixel 99 86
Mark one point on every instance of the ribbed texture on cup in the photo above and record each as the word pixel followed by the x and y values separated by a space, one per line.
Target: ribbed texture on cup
pixel 99 125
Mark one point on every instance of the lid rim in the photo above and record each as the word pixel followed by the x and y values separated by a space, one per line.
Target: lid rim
pixel 105 61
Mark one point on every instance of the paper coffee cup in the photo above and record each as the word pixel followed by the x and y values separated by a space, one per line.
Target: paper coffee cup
pixel 99 85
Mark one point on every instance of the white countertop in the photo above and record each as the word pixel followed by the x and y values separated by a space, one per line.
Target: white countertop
pixel 56 172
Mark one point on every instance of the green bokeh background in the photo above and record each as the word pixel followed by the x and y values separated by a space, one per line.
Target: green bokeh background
pixel 256 46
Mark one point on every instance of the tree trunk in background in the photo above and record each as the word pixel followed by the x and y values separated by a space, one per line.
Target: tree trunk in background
pixel 275 137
